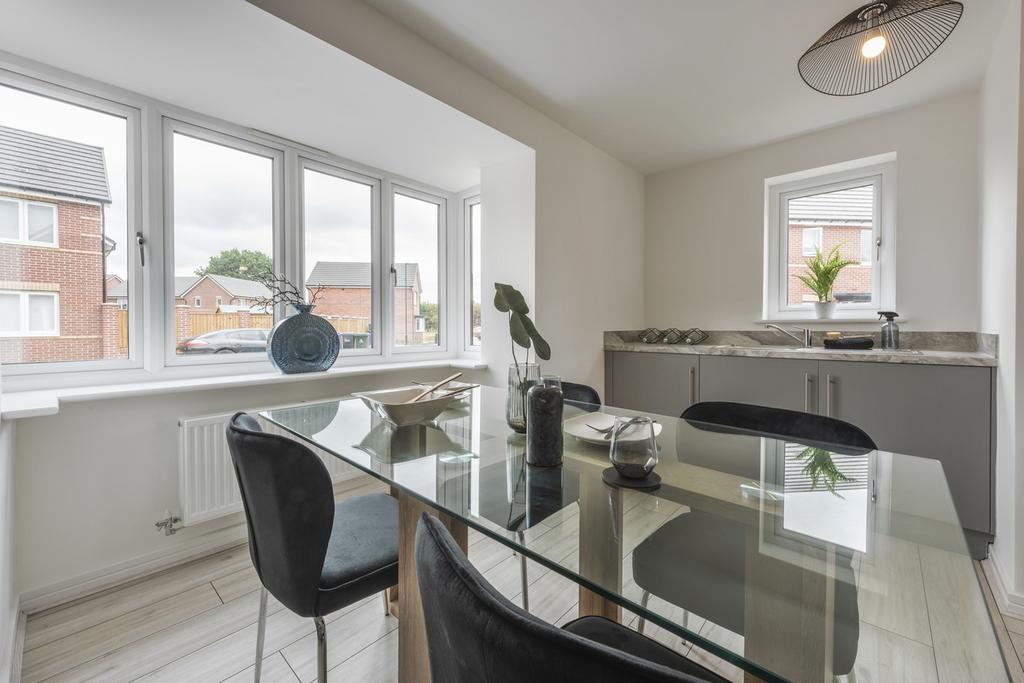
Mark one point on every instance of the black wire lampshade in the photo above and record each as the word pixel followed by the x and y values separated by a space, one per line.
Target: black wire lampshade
pixel 877 44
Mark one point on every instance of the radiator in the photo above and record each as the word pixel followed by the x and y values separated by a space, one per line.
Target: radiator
pixel 206 480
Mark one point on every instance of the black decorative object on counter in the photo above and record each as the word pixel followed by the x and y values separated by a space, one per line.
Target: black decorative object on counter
pixel 544 444
pixel 303 343
pixel 695 335
pixel 651 335
pixel 672 336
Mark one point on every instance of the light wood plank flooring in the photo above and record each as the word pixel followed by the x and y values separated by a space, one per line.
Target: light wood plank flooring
pixel 197 622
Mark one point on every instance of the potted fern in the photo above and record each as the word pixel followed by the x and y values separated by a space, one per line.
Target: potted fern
pixel 824 269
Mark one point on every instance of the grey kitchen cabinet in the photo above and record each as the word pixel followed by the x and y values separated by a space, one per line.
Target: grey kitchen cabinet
pixel 661 383
pixel 940 412
pixel 774 382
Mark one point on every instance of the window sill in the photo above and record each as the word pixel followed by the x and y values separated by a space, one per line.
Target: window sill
pixel 823 321
pixel 40 403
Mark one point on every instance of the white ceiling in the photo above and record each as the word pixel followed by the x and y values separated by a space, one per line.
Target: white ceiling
pixel 231 60
pixel 660 83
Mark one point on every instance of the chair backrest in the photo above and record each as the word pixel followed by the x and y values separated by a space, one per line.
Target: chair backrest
pixel 475 634
pixel 812 430
pixel 289 508
pixel 580 393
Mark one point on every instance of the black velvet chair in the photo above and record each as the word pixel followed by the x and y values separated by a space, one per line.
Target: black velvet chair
pixel 313 555
pixel 475 634
pixel 809 429
pixel 696 561
pixel 580 393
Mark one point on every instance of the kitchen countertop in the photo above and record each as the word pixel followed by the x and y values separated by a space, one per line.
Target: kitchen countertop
pixel 748 345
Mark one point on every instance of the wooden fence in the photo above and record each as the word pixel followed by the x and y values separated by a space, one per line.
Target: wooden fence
pixel 201 323
pixel 122 328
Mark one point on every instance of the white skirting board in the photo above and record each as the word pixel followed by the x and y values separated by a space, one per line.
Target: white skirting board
pixel 82 585
pixel 1009 603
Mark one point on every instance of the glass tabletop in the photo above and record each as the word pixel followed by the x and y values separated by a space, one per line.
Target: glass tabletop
pixel 787 561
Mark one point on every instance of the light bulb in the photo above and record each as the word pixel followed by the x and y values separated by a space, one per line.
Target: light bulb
pixel 873 46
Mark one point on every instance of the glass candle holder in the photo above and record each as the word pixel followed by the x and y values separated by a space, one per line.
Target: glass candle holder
pixel 634 451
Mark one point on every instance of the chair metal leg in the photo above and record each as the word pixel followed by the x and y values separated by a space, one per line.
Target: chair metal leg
pixel 384 598
pixel 523 574
pixel 321 650
pixel 261 632
pixel 643 603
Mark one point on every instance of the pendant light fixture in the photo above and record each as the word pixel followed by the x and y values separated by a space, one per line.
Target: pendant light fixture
pixel 876 44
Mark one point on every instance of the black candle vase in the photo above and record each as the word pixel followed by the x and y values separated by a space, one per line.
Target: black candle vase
pixel 544 424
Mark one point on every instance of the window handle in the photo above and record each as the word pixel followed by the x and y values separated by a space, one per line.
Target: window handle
pixel 141 241
pixel 878 249
pixel 394 275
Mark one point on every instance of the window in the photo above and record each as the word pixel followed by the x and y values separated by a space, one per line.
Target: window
pixel 811 241
pixel 224 225
pixel 67 184
pixel 340 218
pixel 28 222
pixel 867 245
pixel 416 280
pixel 475 231
pixel 28 314
pixel 74 251
pixel 848 210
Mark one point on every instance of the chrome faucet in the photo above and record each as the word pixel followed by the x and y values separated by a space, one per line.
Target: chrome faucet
pixel 806 341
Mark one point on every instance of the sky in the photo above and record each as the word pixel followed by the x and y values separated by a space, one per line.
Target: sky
pixel 38 114
pixel 223 198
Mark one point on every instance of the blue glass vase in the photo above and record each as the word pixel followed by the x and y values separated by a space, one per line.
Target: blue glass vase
pixel 303 343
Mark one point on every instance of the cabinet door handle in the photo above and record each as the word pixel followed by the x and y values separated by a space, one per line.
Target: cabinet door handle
pixel 808 383
pixel 829 383
pixel 693 385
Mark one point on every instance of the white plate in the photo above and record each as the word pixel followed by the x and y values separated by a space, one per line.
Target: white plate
pixel 578 426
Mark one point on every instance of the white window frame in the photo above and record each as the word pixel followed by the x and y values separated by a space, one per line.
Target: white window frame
pixel 878 171
pixel 376 253
pixel 23 314
pixel 214 135
pixel 445 304
pixel 151 302
pixel 819 231
pixel 23 205
pixel 872 245
pixel 468 202
pixel 81 92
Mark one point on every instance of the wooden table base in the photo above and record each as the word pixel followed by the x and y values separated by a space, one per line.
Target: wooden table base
pixel 413 659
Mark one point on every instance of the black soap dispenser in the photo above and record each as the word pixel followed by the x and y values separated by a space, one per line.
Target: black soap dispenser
pixel 890 330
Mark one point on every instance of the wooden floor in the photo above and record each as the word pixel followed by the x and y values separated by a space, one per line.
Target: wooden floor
pixel 197 622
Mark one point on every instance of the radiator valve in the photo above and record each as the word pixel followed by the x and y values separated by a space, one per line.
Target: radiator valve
pixel 168 524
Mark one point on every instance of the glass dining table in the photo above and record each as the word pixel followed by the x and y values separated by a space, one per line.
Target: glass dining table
pixel 781 561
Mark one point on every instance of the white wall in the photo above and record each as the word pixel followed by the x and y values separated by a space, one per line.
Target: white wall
pixel 999 263
pixel 589 206
pixel 705 222
pixel 93 479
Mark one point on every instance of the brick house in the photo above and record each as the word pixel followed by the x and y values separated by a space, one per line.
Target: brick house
pixel 53 251
pixel 843 218
pixel 207 293
pixel 347 294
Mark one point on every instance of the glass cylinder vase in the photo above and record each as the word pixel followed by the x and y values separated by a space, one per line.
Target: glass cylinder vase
pixel 521 376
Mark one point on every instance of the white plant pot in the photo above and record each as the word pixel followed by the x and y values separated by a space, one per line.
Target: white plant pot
pixel 824 309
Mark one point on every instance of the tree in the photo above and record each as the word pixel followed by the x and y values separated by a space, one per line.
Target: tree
pixel 429 313
pixel 244 263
